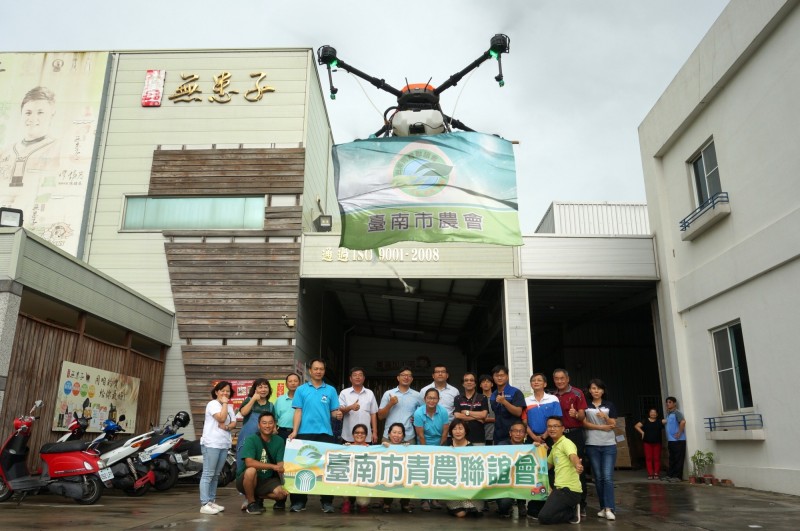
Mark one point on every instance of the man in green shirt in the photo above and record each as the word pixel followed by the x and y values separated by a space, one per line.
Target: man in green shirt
pixel 562 503
pixel 259 476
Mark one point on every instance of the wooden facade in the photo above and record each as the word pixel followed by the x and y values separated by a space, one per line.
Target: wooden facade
pixel 39 350
pixel 204 172
pixel 231 288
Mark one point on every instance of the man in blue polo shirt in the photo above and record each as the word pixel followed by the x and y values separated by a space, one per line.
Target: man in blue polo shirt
pixel 507 402
pixel 314 404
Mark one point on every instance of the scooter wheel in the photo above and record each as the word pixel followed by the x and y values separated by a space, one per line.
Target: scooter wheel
pixel 141 491
pixel 170 478
pixel 5 492
pixel 94 489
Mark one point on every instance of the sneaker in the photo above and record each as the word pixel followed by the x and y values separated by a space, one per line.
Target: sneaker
pixel 583 512
pixel 254 508
pixel 328 508
pixel 407 508
pixel 426 506
pixel 577 518
pixel 297 507
pixel 220 508
pixel 208 509
pixel 610 515
pixel 533 516
pixel 245 503
pixel 279 506
pixel 674 480
pixel 346 507
pixel 602 513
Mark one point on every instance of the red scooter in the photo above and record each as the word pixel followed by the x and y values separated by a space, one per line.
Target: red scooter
pixel 72 469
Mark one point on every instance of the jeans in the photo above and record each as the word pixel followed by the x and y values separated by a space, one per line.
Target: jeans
pixel 213 461
pixel 603 459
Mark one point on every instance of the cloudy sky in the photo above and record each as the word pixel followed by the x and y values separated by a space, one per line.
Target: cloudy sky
pixel 581 75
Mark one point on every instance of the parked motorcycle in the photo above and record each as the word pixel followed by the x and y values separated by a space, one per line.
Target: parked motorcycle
pixel 71 469
pixel 161 453
pixel 189 458
pixel 129 474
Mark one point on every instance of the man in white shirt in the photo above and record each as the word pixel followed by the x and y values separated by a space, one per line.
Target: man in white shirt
pixel 447 393
pixel 359 406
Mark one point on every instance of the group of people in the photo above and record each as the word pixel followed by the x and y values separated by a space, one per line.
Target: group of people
pixel 488 411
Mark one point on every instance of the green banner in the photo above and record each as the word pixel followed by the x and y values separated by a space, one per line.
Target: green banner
pixel 427 472
pixel 454 187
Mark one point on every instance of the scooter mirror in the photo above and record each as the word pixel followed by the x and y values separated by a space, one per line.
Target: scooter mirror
pixel 87 403
pixel 38 403
pixel 121 419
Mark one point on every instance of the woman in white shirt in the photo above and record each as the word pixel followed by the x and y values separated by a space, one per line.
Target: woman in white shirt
pixel 220 419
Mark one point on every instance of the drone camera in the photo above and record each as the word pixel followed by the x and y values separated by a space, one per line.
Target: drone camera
pixel 416 129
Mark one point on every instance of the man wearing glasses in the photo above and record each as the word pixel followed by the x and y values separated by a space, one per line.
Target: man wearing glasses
pixel 399 404
pixel 563 502
pixel 447 393
pixel 472 407
pixel 516 435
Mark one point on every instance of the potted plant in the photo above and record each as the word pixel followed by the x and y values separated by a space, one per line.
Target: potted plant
pixel 701 462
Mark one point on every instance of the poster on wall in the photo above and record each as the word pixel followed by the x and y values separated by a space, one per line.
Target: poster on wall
pixel 49 106
pixel 110 394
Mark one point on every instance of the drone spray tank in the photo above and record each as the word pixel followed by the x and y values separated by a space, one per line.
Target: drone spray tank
pixel 418 111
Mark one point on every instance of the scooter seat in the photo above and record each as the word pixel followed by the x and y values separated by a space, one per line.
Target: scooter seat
pixel 69 446
pixel 107 446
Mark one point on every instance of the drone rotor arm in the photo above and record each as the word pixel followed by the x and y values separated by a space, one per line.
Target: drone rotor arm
pixel 453 80
pixel 377 83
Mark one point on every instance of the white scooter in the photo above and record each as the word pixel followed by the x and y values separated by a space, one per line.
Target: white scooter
pixel 160 454
pixel 126 471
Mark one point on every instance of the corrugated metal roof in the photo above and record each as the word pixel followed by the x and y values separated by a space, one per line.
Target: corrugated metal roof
pixel 595 218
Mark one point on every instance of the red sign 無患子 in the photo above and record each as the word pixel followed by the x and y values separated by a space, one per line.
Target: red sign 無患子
pixel 153 88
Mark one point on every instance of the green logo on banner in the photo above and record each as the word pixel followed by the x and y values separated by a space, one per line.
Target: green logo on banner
pixel 305 480
pixel 309 455
pixel 421 173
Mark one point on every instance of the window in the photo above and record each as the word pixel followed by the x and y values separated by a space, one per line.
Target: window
pixel 706 174
pixel 734 380
pixel 161 213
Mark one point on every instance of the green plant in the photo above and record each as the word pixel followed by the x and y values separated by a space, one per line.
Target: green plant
pixel 701 462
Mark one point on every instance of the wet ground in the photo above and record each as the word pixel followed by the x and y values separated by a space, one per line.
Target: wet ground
pixel 641 504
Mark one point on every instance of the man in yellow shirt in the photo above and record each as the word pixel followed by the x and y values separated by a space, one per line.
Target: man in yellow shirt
pixel 562 503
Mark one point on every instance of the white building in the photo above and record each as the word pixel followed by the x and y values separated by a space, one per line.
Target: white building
pixel 720 158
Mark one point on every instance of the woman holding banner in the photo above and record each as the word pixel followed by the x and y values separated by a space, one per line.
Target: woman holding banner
pixel 397 435
pixel 462 508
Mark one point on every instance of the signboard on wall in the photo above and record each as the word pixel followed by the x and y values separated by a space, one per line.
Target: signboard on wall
pixel 240 388
pixel 110 394
pixel 49 107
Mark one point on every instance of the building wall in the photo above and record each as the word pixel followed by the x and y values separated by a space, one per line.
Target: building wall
pixel 319 163
pixel 739 89
pixel 131 135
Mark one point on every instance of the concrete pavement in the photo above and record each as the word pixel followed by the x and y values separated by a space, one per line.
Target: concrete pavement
pixel 641 504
